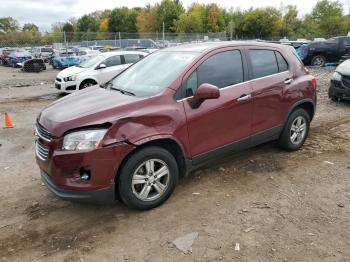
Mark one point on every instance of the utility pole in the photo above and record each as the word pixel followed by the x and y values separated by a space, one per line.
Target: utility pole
pixel 65 41
pixel 120 41
pixel 163 33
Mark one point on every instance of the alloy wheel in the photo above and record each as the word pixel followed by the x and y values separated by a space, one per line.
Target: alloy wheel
pixel 298 130
pixel 150 180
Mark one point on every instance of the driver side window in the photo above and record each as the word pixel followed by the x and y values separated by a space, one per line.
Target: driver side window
pixel 222 70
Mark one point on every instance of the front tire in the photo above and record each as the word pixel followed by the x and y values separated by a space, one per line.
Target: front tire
pixel 148 178
pixel 295 130
pixel 86 84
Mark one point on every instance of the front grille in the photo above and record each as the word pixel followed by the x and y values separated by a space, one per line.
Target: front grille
pixel 41 151
pixel 58 79
pixel 43 133
pixel 336 84
pixel 346 81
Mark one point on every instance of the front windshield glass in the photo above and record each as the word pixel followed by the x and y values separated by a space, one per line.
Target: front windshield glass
pixel 154 73
pixel 91 62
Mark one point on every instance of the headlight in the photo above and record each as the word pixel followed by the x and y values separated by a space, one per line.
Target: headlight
pixel 83 140
pixel 336 76
pixel 70 78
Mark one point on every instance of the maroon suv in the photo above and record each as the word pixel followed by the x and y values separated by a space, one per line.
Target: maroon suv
pixel 169 113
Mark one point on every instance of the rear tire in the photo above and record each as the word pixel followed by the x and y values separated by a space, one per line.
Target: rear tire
pixel 295 131
pixel 143 185
pixel 318 60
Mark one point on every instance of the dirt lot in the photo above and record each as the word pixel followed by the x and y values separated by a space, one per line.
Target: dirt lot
pixel 278 206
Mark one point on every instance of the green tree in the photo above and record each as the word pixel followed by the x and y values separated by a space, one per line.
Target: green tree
pixel 194 21
pixel 123 20
pixel 29 27
pixel 262 22
pixel 67 27
pixel 290 22
pixel 87 23
pixel 234 19
pixel 329 16
pixel 8 25
pixel 168 13
pixel 309 28
pixel 146 21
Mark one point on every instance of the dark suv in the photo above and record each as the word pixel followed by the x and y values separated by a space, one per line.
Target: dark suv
pixel 170 113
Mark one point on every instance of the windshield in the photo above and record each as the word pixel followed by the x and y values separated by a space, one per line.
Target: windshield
pixel 154 73
pixel 91 62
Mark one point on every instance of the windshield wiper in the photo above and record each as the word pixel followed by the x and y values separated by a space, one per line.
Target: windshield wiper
pixel 124 92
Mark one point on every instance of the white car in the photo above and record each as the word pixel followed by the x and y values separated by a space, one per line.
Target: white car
pixel 85 54
pixel 43 52
pixel 96 70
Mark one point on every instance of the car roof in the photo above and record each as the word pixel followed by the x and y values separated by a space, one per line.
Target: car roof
pixel 112 53
pixel 208 46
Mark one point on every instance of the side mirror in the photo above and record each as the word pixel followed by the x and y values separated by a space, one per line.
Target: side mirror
pixel 205 91
pixel 101 66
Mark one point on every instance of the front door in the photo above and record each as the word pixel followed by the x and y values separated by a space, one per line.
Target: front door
pixel 113 67
pixel 219 122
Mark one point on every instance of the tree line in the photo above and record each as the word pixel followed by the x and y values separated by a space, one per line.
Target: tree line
pixel 326 19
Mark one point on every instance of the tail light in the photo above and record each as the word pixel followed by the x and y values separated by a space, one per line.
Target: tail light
pixel 313 81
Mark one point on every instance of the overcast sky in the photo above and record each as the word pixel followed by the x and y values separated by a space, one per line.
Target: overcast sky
pixel 45 12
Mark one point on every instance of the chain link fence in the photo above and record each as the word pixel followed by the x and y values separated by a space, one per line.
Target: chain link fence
pixel 34 51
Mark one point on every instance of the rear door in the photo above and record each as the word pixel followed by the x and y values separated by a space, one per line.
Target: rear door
pixel 218 122
pixel 270 75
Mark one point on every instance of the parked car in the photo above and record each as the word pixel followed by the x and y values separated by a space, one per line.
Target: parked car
pixel 17 57
pixel 33 65
pixel 340 82
pixel 96 70
pixel 170 113
pixel 85 54
pixel 43 52
pixel 329 51
pixel 4 52
pixel 96 47
pixel 64 59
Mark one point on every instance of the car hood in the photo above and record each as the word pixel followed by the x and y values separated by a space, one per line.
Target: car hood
pixel 344 68
pixel 73 70
pixel 91 106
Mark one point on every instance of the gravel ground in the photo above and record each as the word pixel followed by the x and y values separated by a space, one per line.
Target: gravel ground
pixel 276 206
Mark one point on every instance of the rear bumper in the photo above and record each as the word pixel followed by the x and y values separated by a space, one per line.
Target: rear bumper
pixel 101 196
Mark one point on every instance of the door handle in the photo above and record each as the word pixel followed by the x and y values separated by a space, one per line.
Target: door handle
pixel 288 81
pixel 244 98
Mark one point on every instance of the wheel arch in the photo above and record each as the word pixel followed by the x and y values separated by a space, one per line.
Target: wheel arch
pixel 89 79
pixel 307 104
pixel 168 143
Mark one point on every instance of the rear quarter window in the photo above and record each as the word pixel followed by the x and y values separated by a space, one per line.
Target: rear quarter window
pixel 131 58
pixel 281 61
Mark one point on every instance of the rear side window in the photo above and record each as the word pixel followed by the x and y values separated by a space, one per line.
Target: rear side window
pixel 282 63
pixel 263 62
pixel 222 70
pixel 113 61
pixel 131 58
